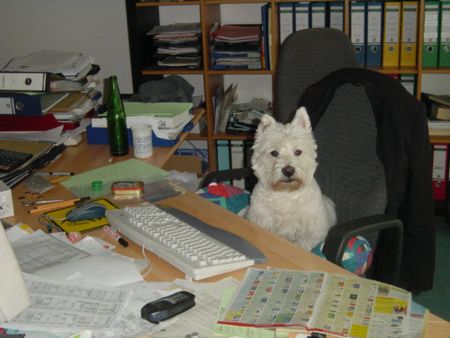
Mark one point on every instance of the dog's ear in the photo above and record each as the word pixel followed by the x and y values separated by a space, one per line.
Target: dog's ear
pixel 301 119
pixel 266 121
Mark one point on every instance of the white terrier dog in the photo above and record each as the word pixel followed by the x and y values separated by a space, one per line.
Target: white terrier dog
pixel 287 199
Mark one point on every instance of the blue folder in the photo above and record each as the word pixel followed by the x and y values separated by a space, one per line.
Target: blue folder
pixel 374 37
pixel 357 30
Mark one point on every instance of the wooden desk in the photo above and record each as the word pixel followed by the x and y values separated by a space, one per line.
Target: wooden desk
pixel 279 252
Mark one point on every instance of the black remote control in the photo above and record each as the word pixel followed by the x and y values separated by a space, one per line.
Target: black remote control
pixel 167 307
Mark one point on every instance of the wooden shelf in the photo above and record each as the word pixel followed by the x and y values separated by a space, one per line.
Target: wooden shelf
pixel 439 138
pixel 239 72
pixel 225 2
pixel 234 137
pixel 395 70
pixel 441 70
pixel 142 16
pixel 172 71
pixel 166 3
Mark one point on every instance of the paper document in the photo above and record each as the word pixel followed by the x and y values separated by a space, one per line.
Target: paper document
pixel 65 63
pixel 202 316
pixel 50 135
pixel 109 270
pixel 169 109
pixel 67 306
pixel 39 250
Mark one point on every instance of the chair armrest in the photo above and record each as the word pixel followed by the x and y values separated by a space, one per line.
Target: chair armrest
pixel 226 175
pixel 390 231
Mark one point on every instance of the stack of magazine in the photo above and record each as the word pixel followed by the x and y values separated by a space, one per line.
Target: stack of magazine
pixel 177 45
pixel 236 47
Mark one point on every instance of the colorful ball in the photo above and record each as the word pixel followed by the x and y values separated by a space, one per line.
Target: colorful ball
pixel 357 256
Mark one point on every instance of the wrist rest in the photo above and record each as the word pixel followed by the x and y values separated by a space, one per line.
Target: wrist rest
pixel 232 240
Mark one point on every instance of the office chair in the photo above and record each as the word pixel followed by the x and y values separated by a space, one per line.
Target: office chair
pixel 351 168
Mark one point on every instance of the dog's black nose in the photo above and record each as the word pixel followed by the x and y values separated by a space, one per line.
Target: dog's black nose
pixel 288 171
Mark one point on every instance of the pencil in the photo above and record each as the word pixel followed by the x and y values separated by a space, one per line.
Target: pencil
pixel 56 205
pixel 59 179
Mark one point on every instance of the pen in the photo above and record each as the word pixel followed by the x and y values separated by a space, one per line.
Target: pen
pixel 115 235
pixel 55 173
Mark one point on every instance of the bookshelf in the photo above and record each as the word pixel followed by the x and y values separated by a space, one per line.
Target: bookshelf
pixel 142 16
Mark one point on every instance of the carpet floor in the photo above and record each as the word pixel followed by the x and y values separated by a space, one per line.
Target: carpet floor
pixel 438 298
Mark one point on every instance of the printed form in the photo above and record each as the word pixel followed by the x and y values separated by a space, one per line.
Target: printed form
pixel 67 306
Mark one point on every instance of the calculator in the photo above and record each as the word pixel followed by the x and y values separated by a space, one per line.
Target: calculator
pixel 10 159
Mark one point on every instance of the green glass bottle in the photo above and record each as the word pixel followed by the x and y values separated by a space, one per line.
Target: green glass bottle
pixel 117 121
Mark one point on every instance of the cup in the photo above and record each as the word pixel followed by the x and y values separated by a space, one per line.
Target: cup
pixel 142 140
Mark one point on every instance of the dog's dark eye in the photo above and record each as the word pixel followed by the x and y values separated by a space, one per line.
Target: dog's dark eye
pixel 297 152
pixel 274 153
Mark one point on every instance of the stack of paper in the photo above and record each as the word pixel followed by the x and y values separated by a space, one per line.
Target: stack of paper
pixel 177 45
pixel 166 118
pixel 236 47
pixel 46 89
pixel 72 65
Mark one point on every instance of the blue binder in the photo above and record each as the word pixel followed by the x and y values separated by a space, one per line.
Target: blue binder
pixel 265 17
pixel 357 30
pixel 223 155
pixel 374 29
pixel 21 103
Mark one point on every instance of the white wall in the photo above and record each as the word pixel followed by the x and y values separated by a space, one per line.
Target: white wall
pixel 93 27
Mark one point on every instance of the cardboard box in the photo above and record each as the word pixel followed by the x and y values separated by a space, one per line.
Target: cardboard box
pixel 184 163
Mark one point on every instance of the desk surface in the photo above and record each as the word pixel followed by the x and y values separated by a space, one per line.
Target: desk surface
pixel 279 252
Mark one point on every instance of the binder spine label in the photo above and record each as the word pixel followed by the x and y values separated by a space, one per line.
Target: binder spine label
pixel 430 33
pixel 23 81
pixel 337 16
pixel 318 15
pixel 357 19
pixel 301 16
pixel 445 23
pixel 374 24
pixel 7 106
pixel 392 27
pixel 286 20
pixel 409 23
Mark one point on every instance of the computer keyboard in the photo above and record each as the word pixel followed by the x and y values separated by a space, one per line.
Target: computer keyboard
pixel 10 159
pixel 194 252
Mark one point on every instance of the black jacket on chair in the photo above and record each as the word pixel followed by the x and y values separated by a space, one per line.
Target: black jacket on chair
pixel 404 149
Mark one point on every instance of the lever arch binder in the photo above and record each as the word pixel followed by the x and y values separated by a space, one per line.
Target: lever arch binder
pixel 391 37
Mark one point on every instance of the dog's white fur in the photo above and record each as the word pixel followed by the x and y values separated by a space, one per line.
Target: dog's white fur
pixel 286 202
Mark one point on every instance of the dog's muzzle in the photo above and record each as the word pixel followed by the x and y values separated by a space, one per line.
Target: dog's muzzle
pixel 288 183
